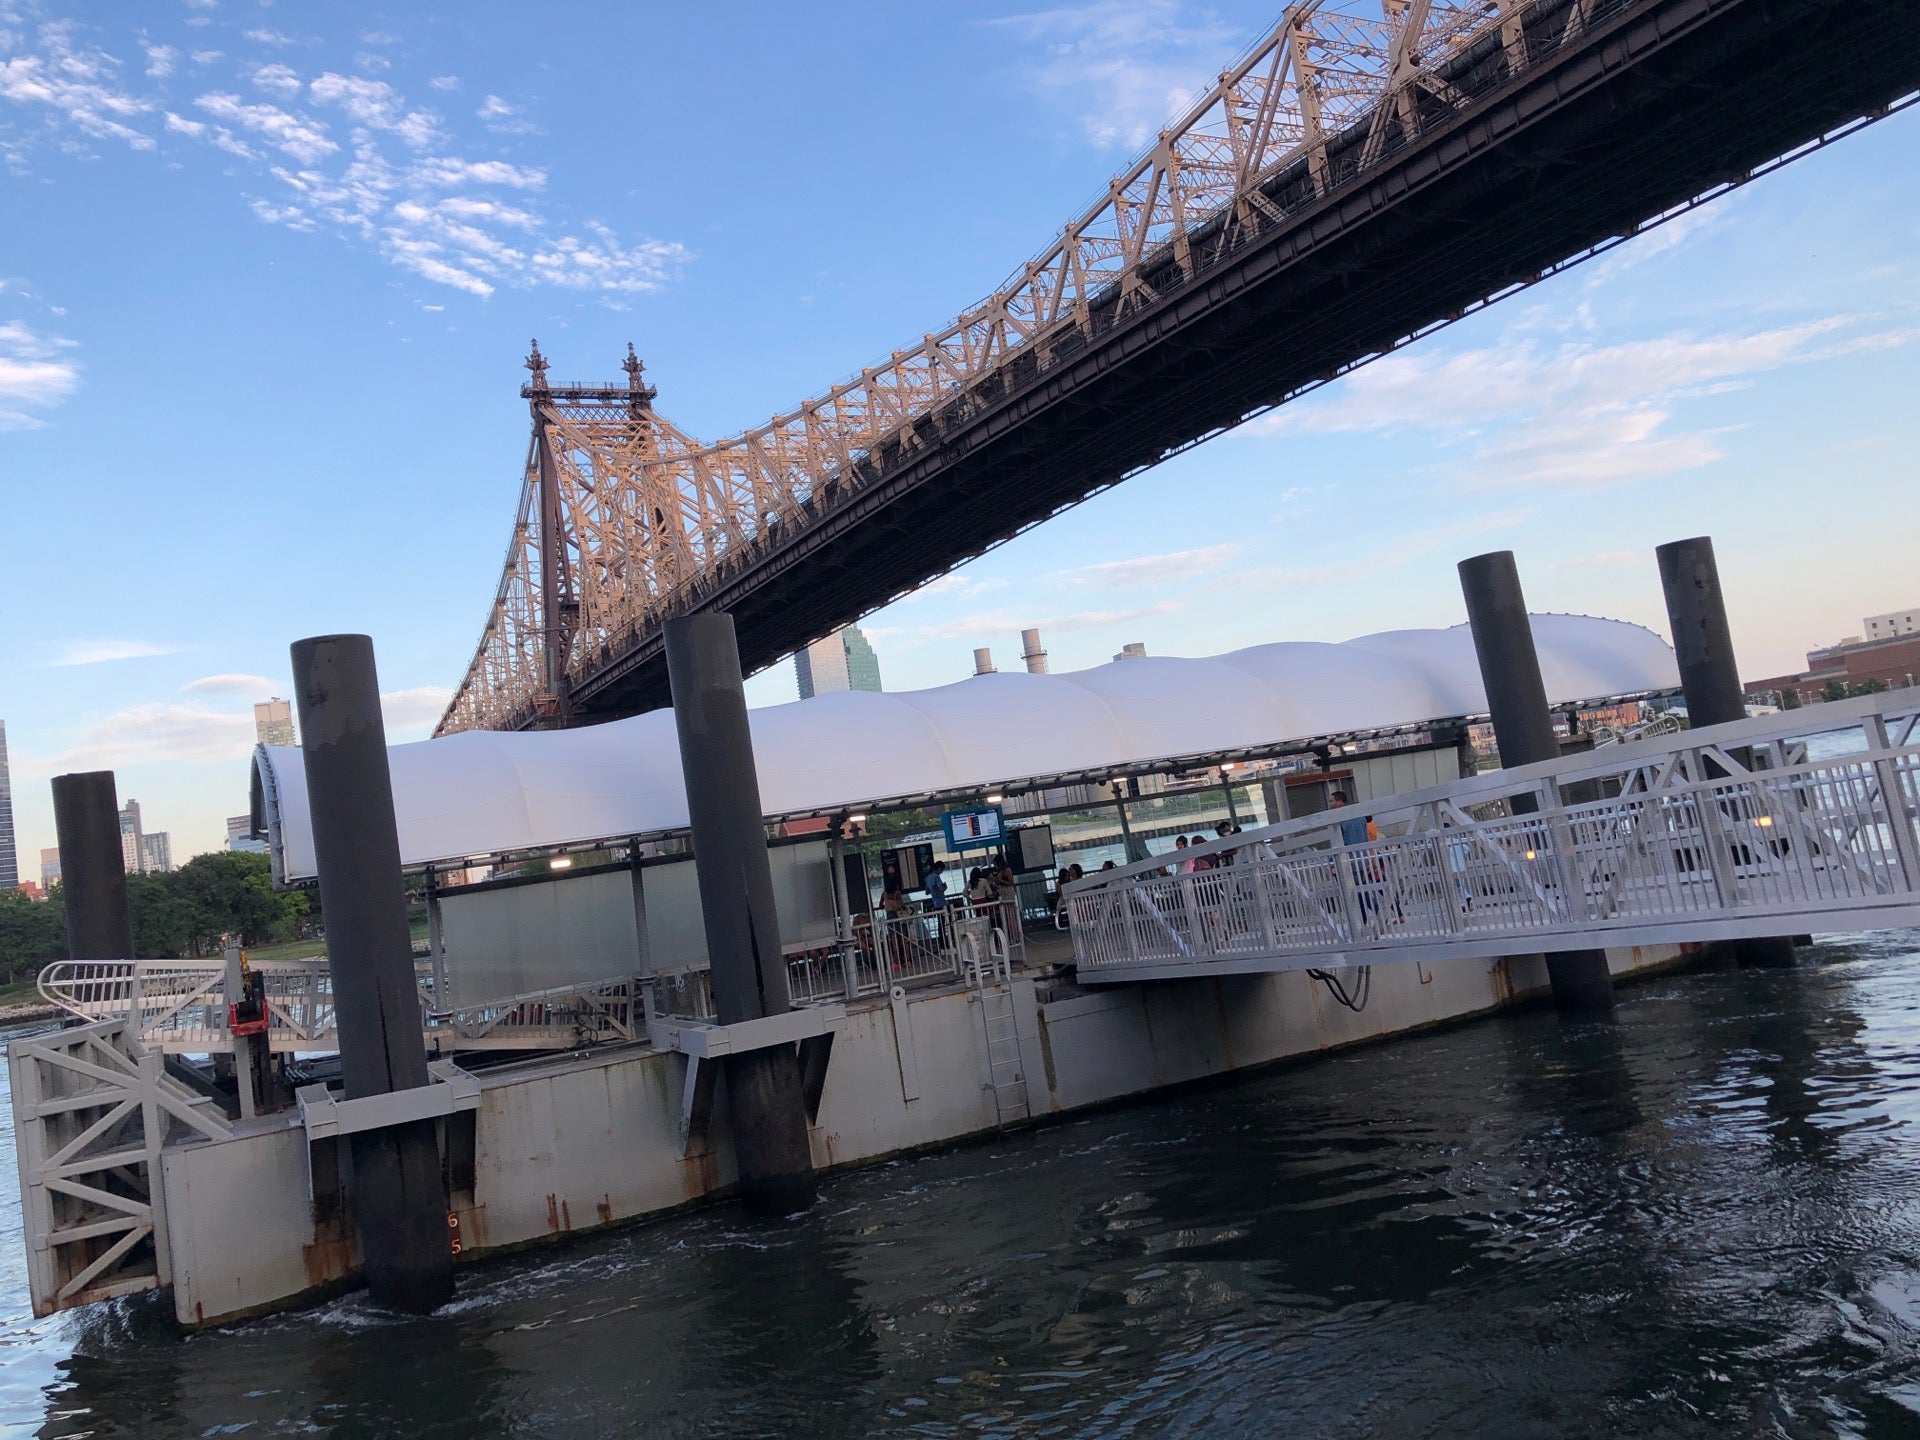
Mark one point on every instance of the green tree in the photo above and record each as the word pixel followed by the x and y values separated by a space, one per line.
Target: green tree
pixel 1833 690
pixel 1869 687
pixel 163 918
pixel 32 933
pixel 232 893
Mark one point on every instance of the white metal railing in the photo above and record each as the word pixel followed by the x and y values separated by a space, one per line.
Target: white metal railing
pixel 179 1007
pixel 1665 723
pixel 1710 834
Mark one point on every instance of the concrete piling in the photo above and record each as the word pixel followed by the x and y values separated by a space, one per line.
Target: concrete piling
pixel 93 875
pixel 1523 729
pixel 1709 674
pixel 398 1190
pixel 736 901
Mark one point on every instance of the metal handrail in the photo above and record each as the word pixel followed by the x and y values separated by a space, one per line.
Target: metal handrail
pixel 1691 840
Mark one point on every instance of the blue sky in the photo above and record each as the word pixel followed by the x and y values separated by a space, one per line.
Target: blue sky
pixel 267 273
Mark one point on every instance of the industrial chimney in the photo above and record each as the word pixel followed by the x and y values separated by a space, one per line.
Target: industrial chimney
pixel 983 661
pixel 1032 653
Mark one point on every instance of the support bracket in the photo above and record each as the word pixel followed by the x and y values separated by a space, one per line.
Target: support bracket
pixel 326 1118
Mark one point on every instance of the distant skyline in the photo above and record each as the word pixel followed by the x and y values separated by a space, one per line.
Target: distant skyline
pixel 269 272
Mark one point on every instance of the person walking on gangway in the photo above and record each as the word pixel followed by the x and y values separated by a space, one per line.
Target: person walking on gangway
pixel 1358 831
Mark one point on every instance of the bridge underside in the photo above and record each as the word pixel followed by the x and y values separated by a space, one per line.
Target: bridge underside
pixel 1661 104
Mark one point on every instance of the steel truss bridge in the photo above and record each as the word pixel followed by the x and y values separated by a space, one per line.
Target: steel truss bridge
pixel 1806 820
pixel 1368 171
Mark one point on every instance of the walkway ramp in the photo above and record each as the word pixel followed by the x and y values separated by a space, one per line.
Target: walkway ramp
pixel 1779 825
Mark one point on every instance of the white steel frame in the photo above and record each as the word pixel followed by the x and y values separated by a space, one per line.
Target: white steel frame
pixel 1706 835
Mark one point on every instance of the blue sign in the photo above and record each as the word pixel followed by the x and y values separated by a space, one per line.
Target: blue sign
pixel 973 829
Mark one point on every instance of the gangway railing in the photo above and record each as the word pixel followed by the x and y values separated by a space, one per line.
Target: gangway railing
pixel 1787 823
pixel 179 1007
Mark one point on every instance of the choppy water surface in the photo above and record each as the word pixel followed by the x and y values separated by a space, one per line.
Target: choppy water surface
pixel 1705 1220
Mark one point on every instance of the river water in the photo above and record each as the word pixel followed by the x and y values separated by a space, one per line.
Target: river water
pixel 1702 1221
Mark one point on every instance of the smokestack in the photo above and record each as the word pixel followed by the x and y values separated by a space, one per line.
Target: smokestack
pixel 983 661
pixel 1032 653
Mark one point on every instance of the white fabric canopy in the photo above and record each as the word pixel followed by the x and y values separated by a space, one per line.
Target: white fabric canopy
pixel 490 792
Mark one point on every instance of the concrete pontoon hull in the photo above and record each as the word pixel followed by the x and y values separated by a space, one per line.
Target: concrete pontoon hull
pixel 568 1144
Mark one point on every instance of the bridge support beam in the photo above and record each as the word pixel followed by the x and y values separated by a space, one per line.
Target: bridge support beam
pixel 764 1087
pixel 398 1190
pixel 93 875
pixel 1709 675
pixel 1523 729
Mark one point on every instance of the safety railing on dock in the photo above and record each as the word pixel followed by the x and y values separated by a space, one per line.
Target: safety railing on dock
pixel 179 1007
pixel 1708 834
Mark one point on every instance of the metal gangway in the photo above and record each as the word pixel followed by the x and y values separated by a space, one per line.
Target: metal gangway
pixel 1778 825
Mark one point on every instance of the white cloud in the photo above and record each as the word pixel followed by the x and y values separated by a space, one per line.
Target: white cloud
pixel 1125 68
pixel 277 38
pixel 383 172
pixel 35 374
pixel 101 652
pixel 445 82
pixel 236 684
pixel 416 710
pixel 1145 570
pixel 298 136
pixel 156 733
pixel 1577 414
pixel 988 626
pixel 378 106
pixel 1392 557
pixel 79 83
pixel 504 119
pixel 1606 560
pixel 279 79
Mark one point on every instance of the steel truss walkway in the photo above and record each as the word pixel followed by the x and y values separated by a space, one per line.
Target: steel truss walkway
pixel 1806 820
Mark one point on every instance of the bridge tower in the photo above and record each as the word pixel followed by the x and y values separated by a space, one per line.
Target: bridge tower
pixel 559 605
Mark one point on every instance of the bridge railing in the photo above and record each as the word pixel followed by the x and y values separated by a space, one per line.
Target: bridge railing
pixel 1697 836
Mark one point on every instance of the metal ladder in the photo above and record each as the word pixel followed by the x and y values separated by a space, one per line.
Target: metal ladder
pixel 993 993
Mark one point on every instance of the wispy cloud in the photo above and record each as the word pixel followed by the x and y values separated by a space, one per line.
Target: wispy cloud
pixel 338 152
pixel 1148 570
pixel 1004 625
pixel 412 713
pixel 1391 557
pixel 158 733
pixel 258 685
pixel 504 119
pixel 1606 560
pixel 37 372
pixel 101 652
pixel 1123 67
pixel 1578 415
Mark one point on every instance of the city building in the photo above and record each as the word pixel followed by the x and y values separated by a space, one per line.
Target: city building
pixel 49 868
pixel 273 722
pixel 1134 651
pixel 32 890
pixel 156 852
pixel 843 660
pixel 240 836
pixel 133 855
pixel 9 856
pixel 1854 665
pixel 1891 624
